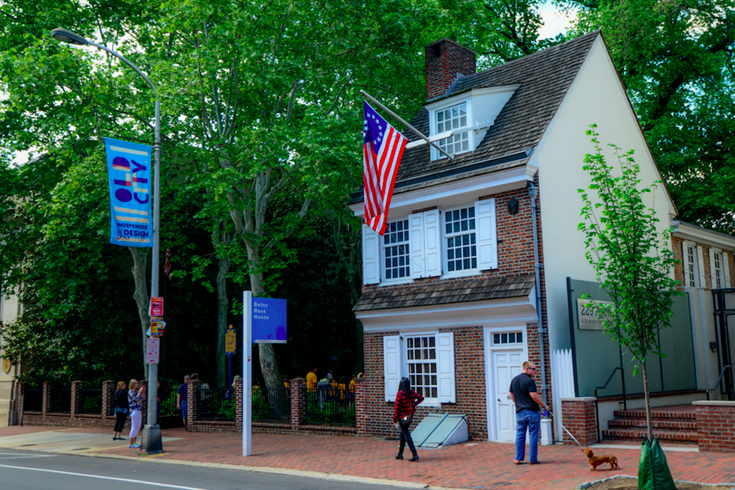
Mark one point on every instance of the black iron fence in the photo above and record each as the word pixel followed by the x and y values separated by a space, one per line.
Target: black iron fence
pixel 330 406
pixel 33 400
pixel 90 401
pixel 271 405
pixel 214 404
pixel 60 400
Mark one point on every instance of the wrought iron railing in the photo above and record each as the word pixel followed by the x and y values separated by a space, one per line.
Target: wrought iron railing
pixel 213 405
pixel 60 400
pixel 90 401
pixel 271 405
pixel 33 400
pixel 330 406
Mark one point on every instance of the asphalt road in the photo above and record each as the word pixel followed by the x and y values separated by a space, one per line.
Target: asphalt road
pixel 22 470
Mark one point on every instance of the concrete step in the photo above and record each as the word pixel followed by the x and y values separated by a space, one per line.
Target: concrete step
pixel 672 424
pixel 661 434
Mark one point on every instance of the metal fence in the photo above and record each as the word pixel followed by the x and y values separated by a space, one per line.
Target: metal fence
pixel 271 405
pixel 330 406
pixel 214 404
pixel 60 400
pixel 33 400
pixel 90 401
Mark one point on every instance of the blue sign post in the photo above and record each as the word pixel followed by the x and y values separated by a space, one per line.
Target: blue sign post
pixel 264 322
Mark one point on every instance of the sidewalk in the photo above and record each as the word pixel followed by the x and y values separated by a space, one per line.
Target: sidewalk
pixel 472 465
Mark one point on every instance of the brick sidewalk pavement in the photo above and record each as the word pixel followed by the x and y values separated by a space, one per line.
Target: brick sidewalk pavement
pixel 473 465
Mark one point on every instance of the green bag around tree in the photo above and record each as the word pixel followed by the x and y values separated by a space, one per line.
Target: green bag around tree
pixel 653 470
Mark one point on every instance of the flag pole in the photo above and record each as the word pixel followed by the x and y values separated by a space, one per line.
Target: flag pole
pixel 420 135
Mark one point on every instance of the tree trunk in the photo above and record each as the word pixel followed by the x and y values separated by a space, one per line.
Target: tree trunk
pixel 648 402
pixel 223 305
pixel 139 270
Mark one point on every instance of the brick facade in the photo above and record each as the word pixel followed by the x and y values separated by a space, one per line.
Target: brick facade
pixel 579 417
pixel 445 60
pixel 676 245
pixel 715 426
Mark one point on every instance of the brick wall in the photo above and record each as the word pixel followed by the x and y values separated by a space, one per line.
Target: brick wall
pixel 715 426
pixel 676 244
pixel 444 60
pixel 470 385
pixel 578 416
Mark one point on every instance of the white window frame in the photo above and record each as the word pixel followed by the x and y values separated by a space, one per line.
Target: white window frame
pixel 469 127
pixel 383 246
pixel 723 269
pixel 395 364
pixel 695 277
pixel 445 247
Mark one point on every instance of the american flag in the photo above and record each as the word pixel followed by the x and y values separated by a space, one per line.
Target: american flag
pixel 382 152
pixel 167 264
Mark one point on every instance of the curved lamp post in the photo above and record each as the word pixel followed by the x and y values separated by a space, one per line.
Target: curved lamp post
pixel 152 431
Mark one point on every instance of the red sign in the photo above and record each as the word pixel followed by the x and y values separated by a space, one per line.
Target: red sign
pixel 156 307
pixel 152 346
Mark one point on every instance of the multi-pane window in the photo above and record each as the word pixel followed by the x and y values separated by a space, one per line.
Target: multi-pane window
pixel 508 338
pixel 691 272
pixel 453 119
pixel 460 237
pixel 717 275
pixel 395 246
pixel 421 359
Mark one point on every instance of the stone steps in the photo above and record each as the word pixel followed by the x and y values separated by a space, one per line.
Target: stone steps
pixel 668 425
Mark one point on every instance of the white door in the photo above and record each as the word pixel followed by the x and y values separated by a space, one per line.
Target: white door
pixel 507 364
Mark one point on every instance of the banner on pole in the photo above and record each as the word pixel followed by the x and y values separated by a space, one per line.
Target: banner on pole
pixel 129 173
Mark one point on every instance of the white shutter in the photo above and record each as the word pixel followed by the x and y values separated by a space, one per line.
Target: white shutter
pixel 370 256
pixel 685 263
pixel 445 367
pixel 700 258
pixel 391 365
pixel 432 233
pixel 712 274
pixel 487 243
pixel 416 245
pixel 726 268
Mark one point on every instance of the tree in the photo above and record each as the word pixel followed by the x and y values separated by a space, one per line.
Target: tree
pixel 632 260
pixel 676 61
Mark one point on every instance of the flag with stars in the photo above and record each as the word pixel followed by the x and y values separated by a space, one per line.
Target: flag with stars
pixel 382 152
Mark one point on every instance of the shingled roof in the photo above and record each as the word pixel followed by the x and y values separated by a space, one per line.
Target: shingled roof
pixel 445 293
pixel 544 78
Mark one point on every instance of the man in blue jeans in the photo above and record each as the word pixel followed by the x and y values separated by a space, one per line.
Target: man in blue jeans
pixel 527 401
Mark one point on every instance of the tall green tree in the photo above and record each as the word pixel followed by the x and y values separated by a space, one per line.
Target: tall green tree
pixel 676 61
pixel 632 260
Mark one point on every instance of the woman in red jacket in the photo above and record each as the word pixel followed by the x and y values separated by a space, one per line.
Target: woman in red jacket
pixel 406 401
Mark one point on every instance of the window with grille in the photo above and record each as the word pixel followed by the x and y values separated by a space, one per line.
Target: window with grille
pixel 421 360
pixel 396 250
pixel 692 272
pixel 507 338
pixel 460 239
pixel 453 119
pixel 717 274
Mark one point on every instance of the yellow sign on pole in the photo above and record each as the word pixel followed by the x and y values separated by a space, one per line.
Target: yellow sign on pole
pixel 230 341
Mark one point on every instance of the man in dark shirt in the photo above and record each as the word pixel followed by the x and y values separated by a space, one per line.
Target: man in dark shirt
pixel 182 396
pixel 527 401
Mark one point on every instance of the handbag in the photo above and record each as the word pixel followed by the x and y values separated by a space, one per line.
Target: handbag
pixel 407 419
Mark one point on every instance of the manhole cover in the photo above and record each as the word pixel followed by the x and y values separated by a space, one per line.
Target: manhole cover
pixel 26 445
pixel 80 448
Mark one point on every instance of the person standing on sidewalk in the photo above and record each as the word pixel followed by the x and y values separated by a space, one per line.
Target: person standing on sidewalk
pixel 121 410
pixel 527 401
pixel 135 397
pixel 406 401
pixel 181 397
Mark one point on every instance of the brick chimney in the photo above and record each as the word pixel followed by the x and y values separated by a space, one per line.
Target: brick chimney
pixel 445 60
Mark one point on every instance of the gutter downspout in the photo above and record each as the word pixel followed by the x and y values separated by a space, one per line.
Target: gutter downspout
pixel 533 193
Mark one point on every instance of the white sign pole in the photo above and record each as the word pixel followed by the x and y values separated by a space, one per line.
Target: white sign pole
pixel 247 359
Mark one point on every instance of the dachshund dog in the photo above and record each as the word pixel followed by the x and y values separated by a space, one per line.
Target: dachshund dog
pixel 596 461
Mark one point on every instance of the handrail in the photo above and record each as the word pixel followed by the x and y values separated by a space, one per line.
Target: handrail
pixel 597 403
pixel 722 373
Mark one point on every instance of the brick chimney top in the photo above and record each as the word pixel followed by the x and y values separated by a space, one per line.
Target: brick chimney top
pixel 445 59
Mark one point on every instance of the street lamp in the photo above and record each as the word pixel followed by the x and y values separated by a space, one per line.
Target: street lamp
pixel 152 431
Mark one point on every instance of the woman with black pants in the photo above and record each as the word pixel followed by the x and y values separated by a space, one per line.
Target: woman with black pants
pixel 121 410
pixel 406 401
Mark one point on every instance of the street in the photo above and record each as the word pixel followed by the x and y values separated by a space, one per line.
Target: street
pixel 37 471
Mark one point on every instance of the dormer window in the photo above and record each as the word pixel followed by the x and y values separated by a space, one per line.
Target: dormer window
pixel 454 120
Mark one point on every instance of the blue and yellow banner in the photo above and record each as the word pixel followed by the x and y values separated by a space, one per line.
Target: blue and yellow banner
pixel 131 190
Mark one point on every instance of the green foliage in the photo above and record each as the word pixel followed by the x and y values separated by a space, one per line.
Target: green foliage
pixel 632 260
pixel 675 59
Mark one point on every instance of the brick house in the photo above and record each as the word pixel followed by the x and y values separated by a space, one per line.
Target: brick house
pixel 451 296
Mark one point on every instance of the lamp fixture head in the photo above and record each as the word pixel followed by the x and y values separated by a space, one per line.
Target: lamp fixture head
pixel 66 36
pixel 532 191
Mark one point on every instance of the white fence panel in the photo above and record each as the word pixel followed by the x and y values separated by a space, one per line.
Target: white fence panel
pixel 562 378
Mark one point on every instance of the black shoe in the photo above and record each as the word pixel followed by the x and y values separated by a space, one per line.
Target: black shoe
pixel 415 458
pixel 120 438
pixel 400 456
pixel 114 438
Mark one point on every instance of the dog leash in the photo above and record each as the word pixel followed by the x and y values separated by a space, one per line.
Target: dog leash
pixel 570 434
